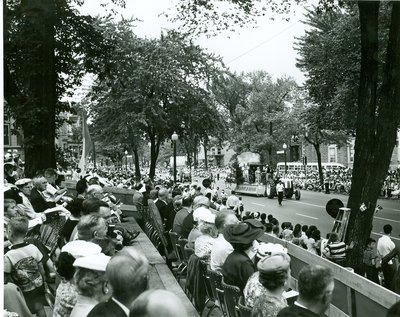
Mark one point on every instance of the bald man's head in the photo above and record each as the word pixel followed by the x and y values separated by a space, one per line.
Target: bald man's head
pixel 157 303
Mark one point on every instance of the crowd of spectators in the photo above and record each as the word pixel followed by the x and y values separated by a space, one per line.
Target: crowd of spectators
pixel 99 274
pixel 339 181
pixel 86 258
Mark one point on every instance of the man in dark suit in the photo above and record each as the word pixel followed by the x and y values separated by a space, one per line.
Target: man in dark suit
pixel 166 209
pixel 127 273
pixel 316 286
pixel 37 199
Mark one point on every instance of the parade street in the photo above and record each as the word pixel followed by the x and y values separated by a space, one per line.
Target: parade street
pixel 310 210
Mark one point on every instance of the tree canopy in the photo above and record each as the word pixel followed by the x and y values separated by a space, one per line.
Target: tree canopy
pixel 153 87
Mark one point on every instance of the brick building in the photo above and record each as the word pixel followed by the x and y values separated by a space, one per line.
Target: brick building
pixel 331 153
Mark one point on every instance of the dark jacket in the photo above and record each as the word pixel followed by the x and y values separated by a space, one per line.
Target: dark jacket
pixel 107 309
pixel 237 269
pixel 38 202
pixel 296 311
pixel 187 225
pixel 167 213
pixel 195 282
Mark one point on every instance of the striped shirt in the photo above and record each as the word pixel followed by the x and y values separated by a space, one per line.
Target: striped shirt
pixel 337 250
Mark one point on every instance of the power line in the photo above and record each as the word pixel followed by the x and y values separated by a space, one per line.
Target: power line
pixel 262 43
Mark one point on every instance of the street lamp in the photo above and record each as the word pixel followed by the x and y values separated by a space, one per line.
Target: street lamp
pixel 126 159
pixel 284 146
pixel 174 138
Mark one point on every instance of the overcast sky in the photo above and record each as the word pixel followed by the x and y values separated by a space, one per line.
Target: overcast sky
pixel 268 47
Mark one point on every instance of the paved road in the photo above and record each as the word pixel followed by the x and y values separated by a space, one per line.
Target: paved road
pixel 310 210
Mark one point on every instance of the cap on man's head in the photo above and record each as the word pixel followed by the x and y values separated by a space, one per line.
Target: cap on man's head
pixel 81 248
pixel 23 181
pixel 96 262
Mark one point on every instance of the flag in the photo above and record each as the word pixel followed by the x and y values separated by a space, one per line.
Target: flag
pixel 87 145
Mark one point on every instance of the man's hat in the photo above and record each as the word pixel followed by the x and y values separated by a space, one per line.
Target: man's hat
pixel 244 233
pixel 23 181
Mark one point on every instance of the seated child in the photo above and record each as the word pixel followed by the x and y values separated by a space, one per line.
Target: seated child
pixel 23 266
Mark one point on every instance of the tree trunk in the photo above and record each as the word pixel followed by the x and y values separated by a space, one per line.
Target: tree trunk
pixel 319 161
pixel 137 163
pixel 39 132
pixel 205 153
pixel 375 127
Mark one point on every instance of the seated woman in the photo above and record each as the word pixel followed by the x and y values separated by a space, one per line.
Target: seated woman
pixel 254 288
pixel 67 294
pixel 204 243
pixel 274 273
pixel 90 280
pixel 239 265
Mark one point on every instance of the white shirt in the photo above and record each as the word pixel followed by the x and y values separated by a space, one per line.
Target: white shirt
pixel 219 252
pixel 384 246
pixel 280 188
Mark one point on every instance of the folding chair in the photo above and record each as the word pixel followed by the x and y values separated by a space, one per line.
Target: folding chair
pixel 231 295
pixel 215 279
pixel 241 309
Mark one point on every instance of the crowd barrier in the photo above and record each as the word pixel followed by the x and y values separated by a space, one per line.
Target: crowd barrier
pixel 353 296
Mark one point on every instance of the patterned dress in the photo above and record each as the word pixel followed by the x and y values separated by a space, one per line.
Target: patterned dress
pixel 203 245
pixel 253 289
pixel 268 306
pixel 66 297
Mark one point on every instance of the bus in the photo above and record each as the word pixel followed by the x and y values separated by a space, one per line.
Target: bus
pixel 298 166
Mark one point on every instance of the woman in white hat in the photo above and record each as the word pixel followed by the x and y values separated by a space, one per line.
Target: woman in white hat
pixel 204 243
pixel 91 283
pixel 67 293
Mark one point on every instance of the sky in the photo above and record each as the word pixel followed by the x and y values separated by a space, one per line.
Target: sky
pixel 269 46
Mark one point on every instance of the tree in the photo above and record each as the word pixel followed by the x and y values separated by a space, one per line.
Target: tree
pixel 314 121
pixel 155 86
pixel 378 107
pixel 259 109
pixel 48 47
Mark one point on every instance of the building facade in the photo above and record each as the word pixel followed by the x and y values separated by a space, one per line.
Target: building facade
pixel 12 142
pixel 332 153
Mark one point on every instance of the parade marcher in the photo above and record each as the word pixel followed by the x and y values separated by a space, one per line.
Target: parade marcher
pixel 280 188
